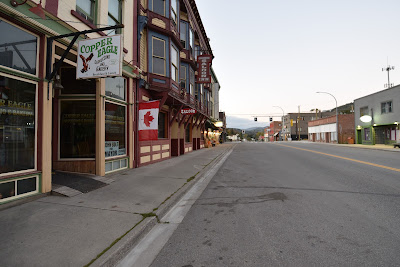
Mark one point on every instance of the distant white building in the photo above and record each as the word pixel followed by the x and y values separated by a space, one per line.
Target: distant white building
pixel 234 137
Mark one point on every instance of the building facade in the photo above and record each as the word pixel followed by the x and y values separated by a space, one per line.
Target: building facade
pixel 377 117
pixel 275 129
pixel 91 125
pixel 63 124
pixel 172 37
pixel 324 130
pixel 296 125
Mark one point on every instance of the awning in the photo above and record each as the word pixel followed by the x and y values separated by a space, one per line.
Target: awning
pixel 275 134
pixel 210 125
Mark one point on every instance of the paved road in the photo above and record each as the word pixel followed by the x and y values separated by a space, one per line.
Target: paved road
pixel 294 204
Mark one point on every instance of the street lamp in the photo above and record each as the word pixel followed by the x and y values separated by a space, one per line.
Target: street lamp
pixel 337 122
pixel 283 119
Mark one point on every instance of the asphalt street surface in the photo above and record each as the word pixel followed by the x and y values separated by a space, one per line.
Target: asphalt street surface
pixel 293 204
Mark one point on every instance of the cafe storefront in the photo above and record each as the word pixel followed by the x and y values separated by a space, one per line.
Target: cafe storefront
pixel 80 125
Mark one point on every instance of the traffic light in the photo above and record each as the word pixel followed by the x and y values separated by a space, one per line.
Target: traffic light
pixel 270 119
pixel 255 118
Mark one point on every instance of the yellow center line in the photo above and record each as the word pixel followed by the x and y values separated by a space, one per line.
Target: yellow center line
pixel 354 160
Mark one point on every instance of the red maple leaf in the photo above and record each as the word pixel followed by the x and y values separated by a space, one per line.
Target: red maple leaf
pixel 148 118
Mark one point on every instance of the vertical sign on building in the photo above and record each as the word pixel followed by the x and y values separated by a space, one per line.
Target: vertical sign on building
pixel 204 62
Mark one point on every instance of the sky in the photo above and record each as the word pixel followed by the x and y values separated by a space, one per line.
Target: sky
pixel 281 52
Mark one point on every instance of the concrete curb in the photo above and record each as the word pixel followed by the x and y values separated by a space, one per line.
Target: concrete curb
pixel 118 251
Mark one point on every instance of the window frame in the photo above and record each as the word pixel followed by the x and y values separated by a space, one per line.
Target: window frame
pixel 36 75
pixel 174 13
pixel 152 5
pixel 89 17
pixel 183 71
pixel 362 109
pixel 191 41
pixel 177 77
pixel 110 101
pixel 154 56
pixel 119 20
pixel 36 125
pixel 191 82
pixel 165 114
pixel 387 107
pixel 183 31
pixel 59 158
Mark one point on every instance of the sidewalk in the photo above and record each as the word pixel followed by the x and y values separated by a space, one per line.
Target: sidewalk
pixel 99 226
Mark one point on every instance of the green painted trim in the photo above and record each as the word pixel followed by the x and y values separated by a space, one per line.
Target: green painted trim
pixel 372 131
pixel 40 183
pixel 96 11
pixel 19 74
pixel 53 24
pixel 38 175
pixel 118 159
pixel 19 177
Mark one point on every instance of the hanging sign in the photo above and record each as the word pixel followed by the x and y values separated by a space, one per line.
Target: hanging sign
pixel 100 57
pixel 204 63
pixel 188 111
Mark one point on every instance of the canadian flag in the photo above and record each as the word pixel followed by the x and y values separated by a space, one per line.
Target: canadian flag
pixel 148 120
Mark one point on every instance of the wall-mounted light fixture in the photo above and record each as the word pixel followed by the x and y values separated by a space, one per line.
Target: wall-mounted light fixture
pixel 366 118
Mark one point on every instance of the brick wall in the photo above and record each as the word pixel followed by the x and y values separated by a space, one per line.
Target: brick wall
pixel 346 128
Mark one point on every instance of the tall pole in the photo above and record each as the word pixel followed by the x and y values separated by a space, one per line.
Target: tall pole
pixel 337 122
pixel 283 119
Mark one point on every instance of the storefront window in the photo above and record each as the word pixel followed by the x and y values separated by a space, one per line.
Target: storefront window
pixel 17 125
pixel 18 50
pixel 187 134
pixel 162 131
pixel 115 87
pixel 115 144
pixel 77 129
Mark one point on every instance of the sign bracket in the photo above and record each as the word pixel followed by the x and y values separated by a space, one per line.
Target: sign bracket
pixel 49 73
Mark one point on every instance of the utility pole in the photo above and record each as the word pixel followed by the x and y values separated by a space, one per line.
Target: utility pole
pixel 298 129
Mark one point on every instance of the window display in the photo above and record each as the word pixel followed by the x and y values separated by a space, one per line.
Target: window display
pixel 115 130
pixel 17 125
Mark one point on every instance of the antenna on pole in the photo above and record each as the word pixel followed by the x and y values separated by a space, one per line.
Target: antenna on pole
pixel 388 69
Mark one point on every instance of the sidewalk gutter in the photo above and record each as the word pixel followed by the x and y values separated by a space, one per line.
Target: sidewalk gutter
pixel 121 247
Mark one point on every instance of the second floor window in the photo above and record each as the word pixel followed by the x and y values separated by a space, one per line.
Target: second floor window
pixel 158 56
pixel 183 34
pixel 86 9
pixel 159 7
pixel 182 75
pixel 386 107
pixel 114 14
pixel 174 64
pixel 191 81
pixel 174 8
pixel 191 41
pixel 363 111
